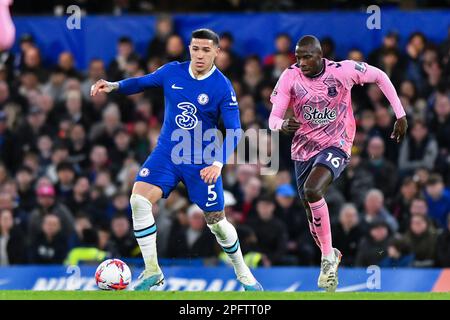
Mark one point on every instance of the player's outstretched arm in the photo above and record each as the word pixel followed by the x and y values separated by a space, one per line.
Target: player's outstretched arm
pixel 103 86
pixel 132 85
pixel 365 73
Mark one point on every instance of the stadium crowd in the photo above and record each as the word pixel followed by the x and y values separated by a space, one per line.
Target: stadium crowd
pixel 68 161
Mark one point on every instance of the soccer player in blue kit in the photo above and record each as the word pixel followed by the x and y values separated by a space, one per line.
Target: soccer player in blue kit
pixel 196 94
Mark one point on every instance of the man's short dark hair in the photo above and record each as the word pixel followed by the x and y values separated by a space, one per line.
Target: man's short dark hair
pixel 434 179
pixel 125 39
pixel 206 34
pixel 227 35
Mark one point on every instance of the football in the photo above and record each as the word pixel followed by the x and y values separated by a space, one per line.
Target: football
pixel 113 274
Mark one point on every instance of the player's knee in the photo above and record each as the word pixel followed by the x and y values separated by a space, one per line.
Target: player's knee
pixel 138 202
pixel 222 228
pixel 313 193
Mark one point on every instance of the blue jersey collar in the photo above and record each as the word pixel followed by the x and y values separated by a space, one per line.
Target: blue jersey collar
pixel 205 75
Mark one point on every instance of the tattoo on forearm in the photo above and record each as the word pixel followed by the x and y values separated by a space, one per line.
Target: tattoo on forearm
pixel 214 216
pixel 114 85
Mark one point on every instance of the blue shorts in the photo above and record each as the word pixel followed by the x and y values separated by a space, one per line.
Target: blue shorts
pixel 332 158
pixel 160 171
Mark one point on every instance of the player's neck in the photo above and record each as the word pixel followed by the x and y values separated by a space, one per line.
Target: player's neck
pixel 200 75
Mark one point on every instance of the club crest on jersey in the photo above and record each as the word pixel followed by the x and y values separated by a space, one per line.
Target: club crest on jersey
pixel 203 98
pixel 332 92
pixel 144 172
pixel 316 116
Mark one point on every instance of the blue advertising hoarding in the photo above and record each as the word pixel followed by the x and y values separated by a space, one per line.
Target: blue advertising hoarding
pixel 223 279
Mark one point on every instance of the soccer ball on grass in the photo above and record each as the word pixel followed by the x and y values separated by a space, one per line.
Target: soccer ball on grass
pixel 113 274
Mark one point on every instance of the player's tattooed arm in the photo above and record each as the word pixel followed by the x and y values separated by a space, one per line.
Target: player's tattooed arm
pixel 214 216
pixel 290 125
pixel 103 86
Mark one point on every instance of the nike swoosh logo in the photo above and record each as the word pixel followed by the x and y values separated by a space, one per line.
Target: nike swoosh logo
pixel 175 87
pixel 210 204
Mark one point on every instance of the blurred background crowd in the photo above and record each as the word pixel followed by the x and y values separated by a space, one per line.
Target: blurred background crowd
pixel 68 160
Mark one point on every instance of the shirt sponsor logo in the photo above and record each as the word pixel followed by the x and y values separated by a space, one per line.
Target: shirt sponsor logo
pixel 316 116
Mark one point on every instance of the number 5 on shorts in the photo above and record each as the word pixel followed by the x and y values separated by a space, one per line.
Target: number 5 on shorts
pixel 212 195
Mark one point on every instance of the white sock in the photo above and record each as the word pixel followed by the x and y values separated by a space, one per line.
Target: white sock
pixel 226 236
pixel 145 230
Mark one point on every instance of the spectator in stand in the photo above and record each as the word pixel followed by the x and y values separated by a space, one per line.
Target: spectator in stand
pixel 12 240
pixel 88 251
pixel 67 64
pixel 99 161
pixel 398 254
pixel 347 234
pixel 374 209
pixel 25 189
pixel 390 43
pixel 59 155
pixel 164 29
pixel 66 180
pixel 383 171
pixel 328 49
pixel 32 62
pixel 402 202
pixel 414 50
pixel 8 148
pixel 78 200
pixel 283 45
pixel 164 223
pixel 96 72
pixel 443 247
pixel 103 132
pixel 48 205
pixel 78 147
pixel 175 50
pixel 271 233
pixel 122 242
pixel 288 210
pixel 356 180
pixel 253 75
pixel 422 238
pixel 373 248
pixel 252 190
pixel 50 245
pixel 438 200
pixel 125 50
pixel 439 124
pixel 383 128
pixel 418 150
pixel 194 240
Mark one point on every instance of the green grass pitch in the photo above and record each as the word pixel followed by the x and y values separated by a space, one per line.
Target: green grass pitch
pixel 180 295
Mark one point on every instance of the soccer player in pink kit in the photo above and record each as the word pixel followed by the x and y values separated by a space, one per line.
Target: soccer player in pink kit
pixel 318 90
pixel 7 29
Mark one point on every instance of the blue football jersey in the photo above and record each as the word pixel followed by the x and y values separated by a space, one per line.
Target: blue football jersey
pixel 193 108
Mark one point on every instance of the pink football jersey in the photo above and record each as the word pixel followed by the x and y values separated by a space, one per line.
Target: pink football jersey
pixel 323 106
